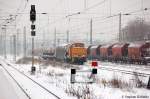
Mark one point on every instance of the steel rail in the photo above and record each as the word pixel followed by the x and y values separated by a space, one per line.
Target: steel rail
pixel 16 82
pixel 33 81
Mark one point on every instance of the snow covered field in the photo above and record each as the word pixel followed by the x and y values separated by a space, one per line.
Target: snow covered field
pixel 108 85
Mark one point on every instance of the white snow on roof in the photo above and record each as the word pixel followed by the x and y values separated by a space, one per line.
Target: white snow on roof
pixel 94 46
pixel 63 45
pixel 136 45
pixel 118 45
pixel 106 46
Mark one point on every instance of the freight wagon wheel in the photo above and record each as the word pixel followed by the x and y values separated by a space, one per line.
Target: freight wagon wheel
pixel 144 62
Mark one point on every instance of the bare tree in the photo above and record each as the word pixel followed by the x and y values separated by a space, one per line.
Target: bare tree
pixel 136 30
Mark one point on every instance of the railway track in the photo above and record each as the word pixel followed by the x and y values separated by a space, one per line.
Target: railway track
pixel 16 82
pixel 141 67
pixel 125 71
pixel 108 67
pixel 130 68
pixel 134 66
pixel 31 87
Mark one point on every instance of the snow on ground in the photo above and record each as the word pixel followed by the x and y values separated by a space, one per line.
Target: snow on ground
pixel 58 81
pixel 12 57
pixel 33 89
pixel 121 67
pixel 8 88
pixel 62 80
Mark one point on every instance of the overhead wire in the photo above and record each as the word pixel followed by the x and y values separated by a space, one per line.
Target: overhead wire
pixel 10 14
pixel 64 17
pixel 17 11
pixel 102 2
pixel 114 15
pixel 124 14
pixel 93 7
pixel 107 17
pixel 21 10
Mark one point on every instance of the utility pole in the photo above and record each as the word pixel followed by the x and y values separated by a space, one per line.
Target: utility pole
pixel 32 51
pixel 91 30
pixel 1 43
pixel 58 41
pixel 67 36
pixel 24 42
pixel 68 30
pixel 4 32
pixel 11 45
pixel 120 37
pixel 18 43
pixel 84 4
pixel 87 39
pixel 55 38
pixel 55 46
pixel 48 23
pixel 14 46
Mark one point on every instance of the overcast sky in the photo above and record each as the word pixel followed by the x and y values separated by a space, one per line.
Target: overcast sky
pixel 78 25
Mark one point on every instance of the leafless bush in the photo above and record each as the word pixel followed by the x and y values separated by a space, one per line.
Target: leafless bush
pixel 116 83
pixel 81 92
pixel 50 74
pixel 104 82
pixel 138 83
pixel 59 74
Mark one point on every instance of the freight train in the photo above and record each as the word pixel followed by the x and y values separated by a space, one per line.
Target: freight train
pixel 138 52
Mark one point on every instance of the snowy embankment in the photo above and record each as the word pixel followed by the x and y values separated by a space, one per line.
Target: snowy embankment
pixel 108 85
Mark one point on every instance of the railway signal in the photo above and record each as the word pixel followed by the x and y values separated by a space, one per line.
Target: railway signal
pixel 73 72
pixel 32 27
pixel 94 63
pixel 91 77
pixel 94 71
pixel 148 85
pixel 33 33
pixel 32 13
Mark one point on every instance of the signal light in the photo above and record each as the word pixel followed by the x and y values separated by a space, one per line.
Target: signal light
pixel 94 71
pixel 33 69
pixel 32 27
pixel 94 64
pixel 32 13
pixel 73 71
pixel 32 33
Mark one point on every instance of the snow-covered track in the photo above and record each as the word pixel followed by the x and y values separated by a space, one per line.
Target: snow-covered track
pixel 131 72
pixel 31 85
pixel 122 65
pixel 16 82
